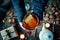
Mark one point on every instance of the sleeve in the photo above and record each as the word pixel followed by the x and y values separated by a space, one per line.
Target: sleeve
pixel 39 6
pixel 19 8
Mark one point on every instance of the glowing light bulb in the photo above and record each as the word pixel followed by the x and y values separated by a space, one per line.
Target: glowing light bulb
pixel 47 25
pixel 9 20
pixel 22 36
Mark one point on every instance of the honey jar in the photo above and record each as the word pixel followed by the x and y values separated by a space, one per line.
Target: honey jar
pixel 31 21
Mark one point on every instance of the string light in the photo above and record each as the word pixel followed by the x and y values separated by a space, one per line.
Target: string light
pixel 22 36
pixel 47 25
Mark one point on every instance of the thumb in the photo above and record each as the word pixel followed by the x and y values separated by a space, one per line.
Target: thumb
pixel 21 25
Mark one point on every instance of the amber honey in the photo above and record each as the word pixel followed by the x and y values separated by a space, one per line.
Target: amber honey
pixel 31 22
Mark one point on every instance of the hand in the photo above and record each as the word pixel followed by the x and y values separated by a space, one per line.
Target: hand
pixel 21 25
